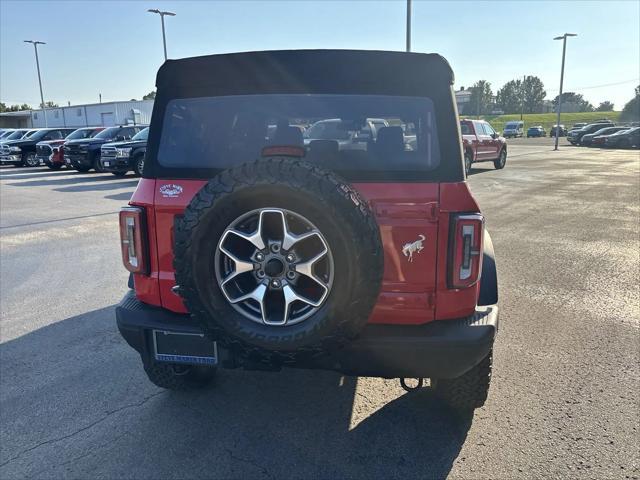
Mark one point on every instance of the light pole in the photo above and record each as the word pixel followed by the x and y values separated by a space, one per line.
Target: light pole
pixel 524 79
pixel 35 47
pixel 164 38
pixel 564 50
pixel 408 25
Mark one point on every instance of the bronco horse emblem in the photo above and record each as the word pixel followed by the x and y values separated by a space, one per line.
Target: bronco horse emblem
pixel 408 249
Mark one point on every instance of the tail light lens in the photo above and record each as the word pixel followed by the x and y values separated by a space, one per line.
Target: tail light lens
pixel 466 250
pixel 133 240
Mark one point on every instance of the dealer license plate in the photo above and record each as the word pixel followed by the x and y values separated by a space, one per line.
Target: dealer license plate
pixel 186 348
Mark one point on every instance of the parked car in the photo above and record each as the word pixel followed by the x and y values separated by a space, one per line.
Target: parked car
pixel 575 136
pixel 624 139
pixel 5 132
pixel 578 126
pixel 562 131
pixel 51 152
pixel 350 135
pixel 513 129
pixel 588 140
pixel 278 262
pixel 120 157
pixel 84 154
pixel 16 135
pixel 22 152
pixel 536 132
pixel 481 143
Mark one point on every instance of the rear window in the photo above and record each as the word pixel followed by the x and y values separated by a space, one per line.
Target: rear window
pixel 80 133
pixel 108 133
pixel 341 132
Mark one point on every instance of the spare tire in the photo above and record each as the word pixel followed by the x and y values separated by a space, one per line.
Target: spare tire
pixel 278 259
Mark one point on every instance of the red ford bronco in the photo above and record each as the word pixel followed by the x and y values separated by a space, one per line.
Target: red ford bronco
pixel 256 241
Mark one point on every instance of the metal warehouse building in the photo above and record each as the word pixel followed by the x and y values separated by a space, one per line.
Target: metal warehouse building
pixel 95 114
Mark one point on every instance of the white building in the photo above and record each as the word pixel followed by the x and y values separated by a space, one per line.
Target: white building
pixel 95 114
pixel 463 97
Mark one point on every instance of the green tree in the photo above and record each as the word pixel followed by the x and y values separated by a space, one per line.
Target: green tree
pixel 14 108
pixel 509 97
pixel 481 97
pixel 575 98
pixel 631 110
pixel 533 94
pixel 150 96
pixel 605 106
pixel 49 104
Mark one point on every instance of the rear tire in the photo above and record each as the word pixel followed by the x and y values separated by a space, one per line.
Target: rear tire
pixel 469 391
pixel 179 377
pixel 97 166
pixel 55 166
pixel 82 168
pixel 501 161
pixel 139 165
pixel 467 163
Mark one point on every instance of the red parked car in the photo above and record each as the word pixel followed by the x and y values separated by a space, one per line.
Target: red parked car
pixel 481 143
pixel 52 152
pixel 365 256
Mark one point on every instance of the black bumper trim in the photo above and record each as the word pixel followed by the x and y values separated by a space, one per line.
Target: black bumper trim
pixel 441 349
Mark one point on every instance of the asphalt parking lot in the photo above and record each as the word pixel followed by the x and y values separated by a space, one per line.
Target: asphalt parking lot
pixel 564 402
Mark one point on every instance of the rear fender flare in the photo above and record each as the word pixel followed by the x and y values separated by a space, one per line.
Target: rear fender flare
pixel 489 277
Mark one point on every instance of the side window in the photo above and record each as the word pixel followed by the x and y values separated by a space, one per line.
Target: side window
pixel 127 133
pixel 488 130
pixel 53 135
pixel 479 128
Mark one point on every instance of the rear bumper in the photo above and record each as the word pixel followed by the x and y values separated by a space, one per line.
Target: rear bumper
pixel 442 349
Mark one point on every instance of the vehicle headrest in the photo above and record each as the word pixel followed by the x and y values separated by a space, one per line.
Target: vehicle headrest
pixel 288 136
pixel 390 138
pixel 324 146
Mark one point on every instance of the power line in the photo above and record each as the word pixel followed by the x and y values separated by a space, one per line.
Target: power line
pixel 633 80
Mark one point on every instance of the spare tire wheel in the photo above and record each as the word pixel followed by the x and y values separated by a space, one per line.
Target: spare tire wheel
pixel 278 258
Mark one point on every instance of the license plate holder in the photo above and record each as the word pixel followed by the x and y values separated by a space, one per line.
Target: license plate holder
pixel 184 348
pixel 107 164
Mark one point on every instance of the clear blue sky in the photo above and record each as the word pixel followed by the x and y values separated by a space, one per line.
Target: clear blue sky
pixel 115 47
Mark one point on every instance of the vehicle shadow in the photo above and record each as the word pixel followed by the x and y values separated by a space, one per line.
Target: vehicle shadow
pixel 99 187
pixel 39 174
pixel 70 179
pixel 123 196
pixel 475 170
pixel 76 403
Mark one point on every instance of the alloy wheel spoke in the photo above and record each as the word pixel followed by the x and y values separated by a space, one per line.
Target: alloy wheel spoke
pixel 306 269
pixel 291 296
pixel 290 239
pixel 239 266
pixel 257 294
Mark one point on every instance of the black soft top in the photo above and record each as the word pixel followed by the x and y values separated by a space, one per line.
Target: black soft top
pixel 339 72
pixel 306 71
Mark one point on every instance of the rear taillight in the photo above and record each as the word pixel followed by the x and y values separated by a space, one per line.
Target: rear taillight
pixel 466 250
pixel 133 240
